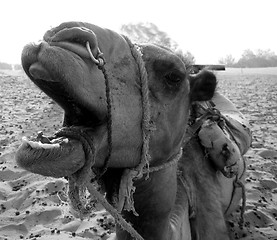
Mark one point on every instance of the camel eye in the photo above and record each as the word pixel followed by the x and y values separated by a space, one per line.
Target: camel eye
pixel 173 78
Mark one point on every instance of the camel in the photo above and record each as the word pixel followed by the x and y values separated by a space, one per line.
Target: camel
pixel 126 112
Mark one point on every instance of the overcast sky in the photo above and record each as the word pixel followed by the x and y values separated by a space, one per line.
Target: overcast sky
pixel 209 29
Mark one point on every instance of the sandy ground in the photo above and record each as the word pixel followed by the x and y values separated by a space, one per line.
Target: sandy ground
pixel 36 207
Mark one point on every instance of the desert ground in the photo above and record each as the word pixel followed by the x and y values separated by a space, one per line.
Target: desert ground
pixel 36 207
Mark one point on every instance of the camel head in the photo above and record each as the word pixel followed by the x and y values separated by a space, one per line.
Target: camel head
pixel 92 98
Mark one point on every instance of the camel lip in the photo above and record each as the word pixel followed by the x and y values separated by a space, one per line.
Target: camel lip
pixel 39 57
pixel 59 157
pixel 39 72
pixel 39 62
pixel 76 48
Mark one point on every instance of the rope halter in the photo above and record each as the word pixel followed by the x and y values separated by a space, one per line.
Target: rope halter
pixel 85 177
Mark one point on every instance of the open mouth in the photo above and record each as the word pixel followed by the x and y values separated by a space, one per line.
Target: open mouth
pixel 58 156
pixel 68 153
pixel 73 150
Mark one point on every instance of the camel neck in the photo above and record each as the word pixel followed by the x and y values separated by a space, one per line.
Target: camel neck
pixel 154 199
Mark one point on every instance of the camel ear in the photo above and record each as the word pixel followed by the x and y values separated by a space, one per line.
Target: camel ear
pixel 202 86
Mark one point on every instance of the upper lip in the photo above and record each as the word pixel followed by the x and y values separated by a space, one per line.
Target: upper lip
pixel 32 64
pixel 48 77
pixel 38 71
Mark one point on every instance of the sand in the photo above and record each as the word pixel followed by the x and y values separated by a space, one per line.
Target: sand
pixel 36 207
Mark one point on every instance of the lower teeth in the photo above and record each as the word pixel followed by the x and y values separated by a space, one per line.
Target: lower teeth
pixel 55 143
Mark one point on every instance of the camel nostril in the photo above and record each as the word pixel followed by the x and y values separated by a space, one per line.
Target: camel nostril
pixel 37 71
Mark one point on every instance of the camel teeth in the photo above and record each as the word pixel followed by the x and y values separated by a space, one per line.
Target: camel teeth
pixel 59 140
pixel 40 144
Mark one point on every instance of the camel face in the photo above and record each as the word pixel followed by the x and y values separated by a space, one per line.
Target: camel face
pixel 118 99
pixel 61 67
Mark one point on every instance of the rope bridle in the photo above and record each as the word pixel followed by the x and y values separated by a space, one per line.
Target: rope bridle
pixel 87 176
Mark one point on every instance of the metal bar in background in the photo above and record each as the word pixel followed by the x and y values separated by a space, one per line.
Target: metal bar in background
pixel 198 67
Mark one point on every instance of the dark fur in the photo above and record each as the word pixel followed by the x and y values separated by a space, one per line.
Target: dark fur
pixel 202 86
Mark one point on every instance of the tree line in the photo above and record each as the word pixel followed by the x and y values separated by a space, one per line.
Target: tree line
pixel 150 33
pixel 251 59
pixel 7 66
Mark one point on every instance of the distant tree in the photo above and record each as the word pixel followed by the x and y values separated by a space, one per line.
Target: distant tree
pixel 259 58
pixel 186 57
pixel 266 57
pixel 273 61
pixel 17 67
pixel 228 61
pixel 5 66
pixel 248 54
pixel 267 54
pixel 148 33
